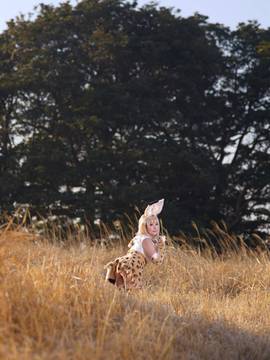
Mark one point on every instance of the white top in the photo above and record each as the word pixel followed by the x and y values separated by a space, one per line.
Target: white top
pixel 137 243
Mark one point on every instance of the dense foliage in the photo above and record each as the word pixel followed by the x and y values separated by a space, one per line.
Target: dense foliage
pixel 104 106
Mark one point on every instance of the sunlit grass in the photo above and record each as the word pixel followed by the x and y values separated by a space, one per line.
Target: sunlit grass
pixel 54 303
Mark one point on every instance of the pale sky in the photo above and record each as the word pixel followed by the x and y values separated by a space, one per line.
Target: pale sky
pixel 229 12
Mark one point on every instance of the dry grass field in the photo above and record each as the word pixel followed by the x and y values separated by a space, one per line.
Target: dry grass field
pixel 54 303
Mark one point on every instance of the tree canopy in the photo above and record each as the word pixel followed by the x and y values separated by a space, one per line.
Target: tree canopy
pixel 105 106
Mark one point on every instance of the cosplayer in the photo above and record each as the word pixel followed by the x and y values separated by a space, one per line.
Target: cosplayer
pixel 126 272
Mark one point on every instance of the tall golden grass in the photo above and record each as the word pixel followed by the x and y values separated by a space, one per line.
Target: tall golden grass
pixel 55 304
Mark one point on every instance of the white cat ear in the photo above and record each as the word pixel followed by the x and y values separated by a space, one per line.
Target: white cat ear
pixel 147 211
pixel 154 209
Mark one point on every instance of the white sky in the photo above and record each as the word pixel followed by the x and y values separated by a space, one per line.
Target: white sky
pixel 229 12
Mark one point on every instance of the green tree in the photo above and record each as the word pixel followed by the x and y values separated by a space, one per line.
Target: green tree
pixel 241 124
pixel 117 106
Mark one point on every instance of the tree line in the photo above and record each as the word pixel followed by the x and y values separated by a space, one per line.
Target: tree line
pixel 105 106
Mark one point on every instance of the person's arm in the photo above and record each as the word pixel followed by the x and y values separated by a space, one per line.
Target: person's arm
pixel 150 250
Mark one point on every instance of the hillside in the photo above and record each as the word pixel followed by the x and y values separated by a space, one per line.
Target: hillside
pixel 54 304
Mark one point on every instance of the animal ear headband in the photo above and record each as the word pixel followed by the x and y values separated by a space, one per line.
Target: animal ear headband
pixel 154 209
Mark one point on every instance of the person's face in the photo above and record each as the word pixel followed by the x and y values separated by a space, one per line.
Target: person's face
pixel 152 226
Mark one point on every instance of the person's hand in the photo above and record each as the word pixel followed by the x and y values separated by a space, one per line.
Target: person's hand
pixel 163 238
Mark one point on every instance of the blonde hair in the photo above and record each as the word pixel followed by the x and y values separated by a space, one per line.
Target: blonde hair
pixel 150 212
pixel 142 228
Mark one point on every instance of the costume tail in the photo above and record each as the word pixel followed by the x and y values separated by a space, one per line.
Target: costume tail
pixel 111 270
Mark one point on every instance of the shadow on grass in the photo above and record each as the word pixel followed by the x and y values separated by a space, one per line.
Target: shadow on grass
pixel 188 337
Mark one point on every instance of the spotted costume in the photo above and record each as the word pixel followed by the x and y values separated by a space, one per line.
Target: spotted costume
pixel 127 271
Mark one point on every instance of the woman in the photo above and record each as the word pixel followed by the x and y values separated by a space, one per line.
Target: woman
pixel 126 272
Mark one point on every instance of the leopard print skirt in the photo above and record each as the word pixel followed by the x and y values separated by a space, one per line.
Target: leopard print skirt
pixel 126 271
